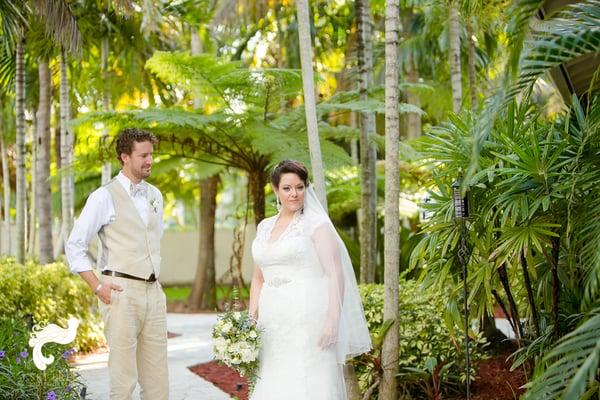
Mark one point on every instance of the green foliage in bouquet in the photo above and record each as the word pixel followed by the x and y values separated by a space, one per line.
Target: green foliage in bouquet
pixel 431 355
pixel 20 379
pixel 236 342
pixel 50 294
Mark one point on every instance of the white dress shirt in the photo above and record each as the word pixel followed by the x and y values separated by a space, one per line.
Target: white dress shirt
pixel 99 211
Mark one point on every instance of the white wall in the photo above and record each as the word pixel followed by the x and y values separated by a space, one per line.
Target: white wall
pixel 180 254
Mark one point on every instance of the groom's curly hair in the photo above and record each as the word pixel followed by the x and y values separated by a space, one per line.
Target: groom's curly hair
pixel 286 167
pixel 128 136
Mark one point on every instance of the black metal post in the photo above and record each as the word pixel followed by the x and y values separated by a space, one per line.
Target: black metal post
pixel 463 257
pixel 461 213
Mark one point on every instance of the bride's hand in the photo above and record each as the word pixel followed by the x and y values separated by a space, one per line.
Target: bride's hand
pixel 329 334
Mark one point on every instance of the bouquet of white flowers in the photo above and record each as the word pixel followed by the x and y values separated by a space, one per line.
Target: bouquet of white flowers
pixel 236 342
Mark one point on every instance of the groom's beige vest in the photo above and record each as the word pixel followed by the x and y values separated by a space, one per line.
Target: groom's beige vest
pixel 129 246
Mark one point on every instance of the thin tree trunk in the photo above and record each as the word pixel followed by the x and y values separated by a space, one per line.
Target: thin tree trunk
pixel 514 311
pixel 530 296
pixel 43 191
pixel 257 181
pixel 32 215
pixel 20 149
pixel 455 69
pixel 504 310
pixel 389 354
pixel 6 187
pixel 368 151
pixel 555 286
pixel 104 49
pixel 66 155
pixel 471 64
pixel 411 120
pixel 310 106
pixel 203 294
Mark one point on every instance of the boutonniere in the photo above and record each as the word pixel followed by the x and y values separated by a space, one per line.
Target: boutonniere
pixel 154 204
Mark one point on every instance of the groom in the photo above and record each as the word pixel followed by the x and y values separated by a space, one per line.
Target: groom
pixel 127 215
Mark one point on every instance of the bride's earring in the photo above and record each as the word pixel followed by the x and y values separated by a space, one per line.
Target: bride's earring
pixel 277 203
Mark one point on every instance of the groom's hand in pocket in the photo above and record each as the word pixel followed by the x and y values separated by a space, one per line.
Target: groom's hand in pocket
pixel 105 292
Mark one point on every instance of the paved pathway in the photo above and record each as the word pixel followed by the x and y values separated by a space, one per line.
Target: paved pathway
pixel 192 347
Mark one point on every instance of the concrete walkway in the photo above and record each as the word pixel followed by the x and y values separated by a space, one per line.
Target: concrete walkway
pixel 191 348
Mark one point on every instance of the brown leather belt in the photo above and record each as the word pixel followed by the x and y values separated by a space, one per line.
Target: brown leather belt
pixel 152 278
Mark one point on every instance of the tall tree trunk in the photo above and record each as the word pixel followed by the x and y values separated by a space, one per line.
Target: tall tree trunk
pixel 104 49
pixel 368 151
pixel 471 64
pixel 310 106
pixel 389 354
pixel 66 155
pixel 43 191
pixel 454 56
pixel 530 296
pixel 204 295
pixel 412 121
pixel 20 149
pixel 32 206
pixel 514 311
pixel 6 187
pixel 256 186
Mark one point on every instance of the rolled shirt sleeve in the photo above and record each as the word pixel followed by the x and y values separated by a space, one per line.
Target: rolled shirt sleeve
pixel 97 212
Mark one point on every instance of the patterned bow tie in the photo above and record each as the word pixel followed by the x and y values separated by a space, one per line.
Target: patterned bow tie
pixel 141 189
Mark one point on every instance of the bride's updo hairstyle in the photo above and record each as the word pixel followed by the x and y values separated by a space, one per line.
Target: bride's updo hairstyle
pixel 286 167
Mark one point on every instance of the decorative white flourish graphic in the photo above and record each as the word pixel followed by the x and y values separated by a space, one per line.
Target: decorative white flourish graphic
pixel 51 334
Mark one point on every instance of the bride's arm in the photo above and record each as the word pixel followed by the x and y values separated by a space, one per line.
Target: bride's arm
pixel 255 288
pixel 328 251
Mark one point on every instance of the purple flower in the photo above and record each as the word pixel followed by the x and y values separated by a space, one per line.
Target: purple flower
pixel 2 354
pixel 66 355
pixel 23 354
pixel 69 388
pixel 51 395
pixel 18 360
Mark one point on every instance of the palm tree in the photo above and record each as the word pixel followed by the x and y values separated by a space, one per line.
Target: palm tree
pixel 21 189
pixel 43 195
pixel 66 155
pixel 454 55
pixel 309 99
pixel 389 355
pixel 368 151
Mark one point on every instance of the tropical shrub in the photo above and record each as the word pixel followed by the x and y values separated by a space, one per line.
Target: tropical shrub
pixel 49 294
pixel 20 379
pixel 430 351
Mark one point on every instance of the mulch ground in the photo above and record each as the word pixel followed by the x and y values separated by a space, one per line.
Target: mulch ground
pixel 224 378
pixel 495 380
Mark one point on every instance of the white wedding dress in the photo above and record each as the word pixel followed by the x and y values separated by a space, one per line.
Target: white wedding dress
pixel 309 285
pixel 291 311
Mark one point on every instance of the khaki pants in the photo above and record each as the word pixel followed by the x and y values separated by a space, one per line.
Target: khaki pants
pixel 135 326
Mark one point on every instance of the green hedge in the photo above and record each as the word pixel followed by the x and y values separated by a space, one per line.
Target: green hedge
pixel 425 341
pixel 50 294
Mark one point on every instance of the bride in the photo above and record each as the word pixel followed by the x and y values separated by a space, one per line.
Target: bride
pixel 304 296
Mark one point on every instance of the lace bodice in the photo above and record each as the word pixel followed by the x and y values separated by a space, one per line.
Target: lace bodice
pixel 290 256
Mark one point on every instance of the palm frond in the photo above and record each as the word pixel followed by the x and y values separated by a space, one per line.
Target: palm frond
pixel 574 32
pixel 12 20
pixel 574 362
pixel 60 23
pixel 521 14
